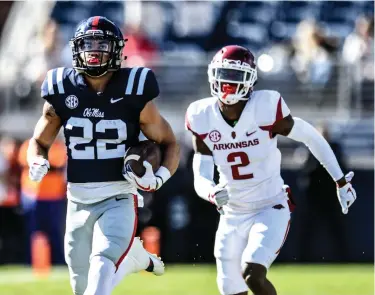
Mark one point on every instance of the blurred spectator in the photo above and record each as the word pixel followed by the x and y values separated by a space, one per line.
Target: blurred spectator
pixel 358 53
pixel 3 177
pixel 9 151
pixel 10 221
pixel 45 53
pixel 139 49
pixel 43 203
pixel 312 60
pixel 219 36
pixel 359 44
pixel 322 209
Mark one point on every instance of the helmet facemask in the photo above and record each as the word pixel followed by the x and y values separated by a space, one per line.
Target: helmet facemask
pixel 96 54
pixel 231 80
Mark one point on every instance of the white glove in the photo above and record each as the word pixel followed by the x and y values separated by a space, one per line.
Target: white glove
pixel 346 194
pixel 38 168
pixel 219 197
pixel 149 182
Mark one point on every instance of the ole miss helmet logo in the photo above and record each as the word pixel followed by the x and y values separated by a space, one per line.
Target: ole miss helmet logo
pixel 214 136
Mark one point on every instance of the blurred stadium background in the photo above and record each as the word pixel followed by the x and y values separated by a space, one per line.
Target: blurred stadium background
pixel 318 54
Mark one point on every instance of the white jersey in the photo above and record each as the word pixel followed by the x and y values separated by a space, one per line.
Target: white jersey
pixel 246 155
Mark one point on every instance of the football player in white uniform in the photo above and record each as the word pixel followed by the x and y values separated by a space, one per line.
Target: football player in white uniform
pixel 236 129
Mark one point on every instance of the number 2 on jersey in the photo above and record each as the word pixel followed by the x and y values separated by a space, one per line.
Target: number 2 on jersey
pixel 244 161
pixel 88 152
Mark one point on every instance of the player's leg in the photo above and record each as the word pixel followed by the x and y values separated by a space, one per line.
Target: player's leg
pixel 229 246
pixel 113 236
pixel 266 237
pixel 138 259
pixel 229 279
pixel 77 243
pixel 255 277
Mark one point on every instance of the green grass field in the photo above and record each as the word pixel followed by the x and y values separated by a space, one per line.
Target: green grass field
pixel 200 280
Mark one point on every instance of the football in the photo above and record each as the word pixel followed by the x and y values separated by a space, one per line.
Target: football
pixel 144 151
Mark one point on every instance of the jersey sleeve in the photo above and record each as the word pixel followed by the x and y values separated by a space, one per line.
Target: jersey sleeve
pixel 195 120
pixel 152 87
pixel 270 109
pixel 189 119
pixel 145 88
pixel 45 90
pixel 52 87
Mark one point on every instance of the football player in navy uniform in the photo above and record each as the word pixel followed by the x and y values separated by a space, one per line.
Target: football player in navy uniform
pixel 102 109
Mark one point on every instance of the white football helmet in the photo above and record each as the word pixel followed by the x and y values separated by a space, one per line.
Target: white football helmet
pixel 232 73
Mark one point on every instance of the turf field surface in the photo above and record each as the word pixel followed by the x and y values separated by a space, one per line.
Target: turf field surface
pixel 343 279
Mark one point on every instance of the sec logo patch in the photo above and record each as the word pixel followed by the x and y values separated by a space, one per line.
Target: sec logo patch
pixel 214 136
pixel 71 101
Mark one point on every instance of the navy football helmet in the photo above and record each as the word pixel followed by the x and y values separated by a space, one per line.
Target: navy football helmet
pixel 97 46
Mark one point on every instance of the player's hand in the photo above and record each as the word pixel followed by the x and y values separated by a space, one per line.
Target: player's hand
pixel 219 197
pixel 38 168
pixel 148 182
pixel 346 194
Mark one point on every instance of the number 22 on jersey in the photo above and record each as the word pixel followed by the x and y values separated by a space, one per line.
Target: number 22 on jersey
pixel 88 152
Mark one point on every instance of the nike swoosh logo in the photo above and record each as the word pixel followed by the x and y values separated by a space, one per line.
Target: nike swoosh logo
pixel 113 100
pixel 121 198
pixel 146 189
pixel 249 134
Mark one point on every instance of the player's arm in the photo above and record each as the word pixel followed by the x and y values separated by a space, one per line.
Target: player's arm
pixel 203 169
pixel 299 130
pixel 45 132
pixel 157 129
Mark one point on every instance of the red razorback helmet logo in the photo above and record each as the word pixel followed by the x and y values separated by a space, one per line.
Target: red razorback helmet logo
pixel 232 73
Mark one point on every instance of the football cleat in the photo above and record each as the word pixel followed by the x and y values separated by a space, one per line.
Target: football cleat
pixel 156 265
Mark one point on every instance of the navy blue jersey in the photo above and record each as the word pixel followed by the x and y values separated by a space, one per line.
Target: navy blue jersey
pixel 98 127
